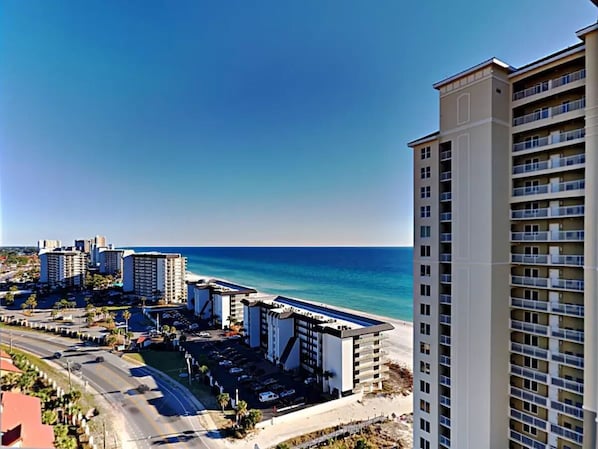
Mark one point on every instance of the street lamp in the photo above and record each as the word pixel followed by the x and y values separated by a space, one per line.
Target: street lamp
pixel 68 367
pixel 188 360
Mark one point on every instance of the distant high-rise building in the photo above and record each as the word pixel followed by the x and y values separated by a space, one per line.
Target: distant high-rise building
pixel 505 257
pixel 99 241
pixel 63 268
pixel 111 260
pixel 48 245
pixel 156 275
pixel 83 245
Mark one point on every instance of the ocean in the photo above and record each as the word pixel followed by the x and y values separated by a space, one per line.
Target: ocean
pixel 376 280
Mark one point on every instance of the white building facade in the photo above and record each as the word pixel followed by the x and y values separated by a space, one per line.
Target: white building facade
pixel 63 268
pixel 155 276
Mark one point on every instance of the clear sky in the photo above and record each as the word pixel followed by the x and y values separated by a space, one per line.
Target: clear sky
pixel 237 122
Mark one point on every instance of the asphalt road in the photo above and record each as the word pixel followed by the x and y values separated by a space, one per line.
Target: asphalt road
pixel 164 415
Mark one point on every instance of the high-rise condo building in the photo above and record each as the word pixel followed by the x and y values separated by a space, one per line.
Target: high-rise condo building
pixel 505 257
pixel 83 245
pixel 48 245
pixel 111 260
pixel 63 268
pixel 155 276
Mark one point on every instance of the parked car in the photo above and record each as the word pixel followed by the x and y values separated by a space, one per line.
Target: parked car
pixel 244 378
pixel 267 396
pixel 57 355
pixel 269 381
pixel 287 393
pixel 99 359
pixel 194 326
pixel 76 367
pixel 205 334
pixel 235 370
pixel 142 388
pixel 310 380
pixel 225 363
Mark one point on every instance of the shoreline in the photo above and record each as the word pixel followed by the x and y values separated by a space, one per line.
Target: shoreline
pixel 398 345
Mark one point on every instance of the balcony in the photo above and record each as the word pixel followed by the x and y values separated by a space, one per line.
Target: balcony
pixel 550 188
pixel 529 144
pixel 552 283
pixel 445 196
pixel 529 304
pixel 548 236
pixel 445 340
pixel 532 351
pixel 445 400
pixel 445 360
pixel 446 237
pixel 548 259
pixel 568 384
pixel 526 441
pixel 553 212
pixel 444 421
pixel 445 155
pixel 445 278
pixel 445 319
pixel 445 441
pixel 569 434
pixel 568 359
pixel 529 396
pixel 531 167
pixel 527 419
pixel 567 284
pixel 529 327
pixel 550 112
pixel 571 410
pixel 529 281
pixel 567 334
pixel 445 380
pixel 446 257
pixel 445 299
pixel 568 309
pixel 445 176
pixel 446 216
pixel 550 84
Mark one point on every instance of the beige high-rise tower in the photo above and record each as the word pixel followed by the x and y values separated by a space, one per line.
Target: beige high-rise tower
pixel 506 256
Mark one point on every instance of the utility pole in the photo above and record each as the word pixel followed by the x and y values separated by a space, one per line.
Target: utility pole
pixel 104 425
pixel 10 339
pixel 68 367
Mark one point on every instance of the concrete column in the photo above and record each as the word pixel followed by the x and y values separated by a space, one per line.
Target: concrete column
pixel 590 402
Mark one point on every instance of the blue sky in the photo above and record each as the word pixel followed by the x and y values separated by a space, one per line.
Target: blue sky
pixel 236 123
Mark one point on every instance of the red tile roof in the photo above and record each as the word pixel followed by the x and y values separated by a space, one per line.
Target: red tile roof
pixel 7 366
pixel 25 411
pixel 4 354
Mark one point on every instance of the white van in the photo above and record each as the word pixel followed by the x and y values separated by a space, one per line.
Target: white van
pixel 267 396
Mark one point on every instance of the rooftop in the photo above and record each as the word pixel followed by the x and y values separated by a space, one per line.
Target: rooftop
pixel 24 412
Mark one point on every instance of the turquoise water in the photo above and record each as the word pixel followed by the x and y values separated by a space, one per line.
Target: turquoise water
pixel 376 280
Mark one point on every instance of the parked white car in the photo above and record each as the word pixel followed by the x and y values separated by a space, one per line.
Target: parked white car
pixel 267 396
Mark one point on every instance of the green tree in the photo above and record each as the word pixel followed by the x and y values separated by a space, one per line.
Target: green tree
pixel 362 444
pixel 166 329
pixel 27 380
pixel 89 320
pixel 111 340
pixel 9 298
pixel 240 411
pixel 283 446
pixel 105 312
pixel 223 399
pixel 127 317
pixel 251 419
pixel 49 417
pixel 31 301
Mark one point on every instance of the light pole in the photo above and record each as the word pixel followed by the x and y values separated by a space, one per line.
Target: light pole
pixel 188 360
pixel 68 367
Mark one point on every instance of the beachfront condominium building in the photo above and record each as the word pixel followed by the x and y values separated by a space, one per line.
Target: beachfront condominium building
pixel 83 245
pixel 505 257
pixel 62 268
pixel 155 276
pixel 342 350
pixel 48 245
pixel 111 260
pixel 218 301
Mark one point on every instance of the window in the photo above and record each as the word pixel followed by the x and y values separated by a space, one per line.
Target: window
pixel 425 211
pixel 424 367
pixel 425 152
pixel 424 386
pixel 424 348
pixel 531 272
pixel 529 407
pixel 424 309
pixel 530 363
pixel 531 317
pixel 424 192
pixel 530 385
pixel 531 294
pixel 424 406
pixel 424 290
pixel 424 444
pixel 530 339
pixel 425 270
pixel 425 172
pixel 424 251
pixel 425 231
pixel 529 429
pixel 425 329
pixel 424 425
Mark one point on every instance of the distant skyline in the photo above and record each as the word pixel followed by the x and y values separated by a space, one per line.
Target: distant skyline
pixel 236 123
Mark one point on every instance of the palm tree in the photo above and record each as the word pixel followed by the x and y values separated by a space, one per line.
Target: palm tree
pixel 203 369
pixel 127 317
pixel 223 399
pixel 49 417
pixel 9 298
pixel 105 312
pixel 31 302
pixel 241 410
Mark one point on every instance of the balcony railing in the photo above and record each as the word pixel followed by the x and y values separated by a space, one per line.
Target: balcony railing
pixel 568 359
pixel 529 327
pixel 578 159
pixel 524 417
pixel 445 441
pixel 445 176
pixel 445 196
pixel 550 112
pixel 548 236
pixel 445 380
pixel 528 396
pixel 445 319
pixel 445 400
pixel 529 304
pixel 571 410
pixel 445 299
pixel 568 309
pixel 446 422
pixel 549 140
pixel 445 340
pixel 567 334
pixel 567 384
pixel 532 351
pixel 445 278
pixel 446 216
pixel 565 211
pixel 562 284
pixel 549 84
pixel 567 284
pixel 550 188
pixel 445 155
pixel 529 281
pixel 446 237
pixel 526 441
pixel 446 257
pixel 567 433
pixel 548 259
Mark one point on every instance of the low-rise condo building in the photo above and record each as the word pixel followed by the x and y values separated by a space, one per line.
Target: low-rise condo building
pixel 111 260
pixel 64 268
pixel 343 350
pixel 218 301
pixel 155 276
pixel 505 257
